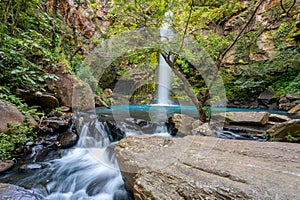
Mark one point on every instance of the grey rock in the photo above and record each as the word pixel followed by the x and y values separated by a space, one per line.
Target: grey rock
pixel 293 97
pixel 31 166
pixel 14 192
pixel 195 167
pixel 250 118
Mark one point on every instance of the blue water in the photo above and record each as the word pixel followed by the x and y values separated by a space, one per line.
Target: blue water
pixel 144 111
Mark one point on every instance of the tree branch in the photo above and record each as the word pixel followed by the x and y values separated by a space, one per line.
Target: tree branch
pixel 290 8
pixel 222 55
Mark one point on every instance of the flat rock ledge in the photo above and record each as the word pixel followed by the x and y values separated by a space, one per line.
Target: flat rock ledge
pixel 197 167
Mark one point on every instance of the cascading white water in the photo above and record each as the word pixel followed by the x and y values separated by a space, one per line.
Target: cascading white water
pixel 164 70
pixel 88 171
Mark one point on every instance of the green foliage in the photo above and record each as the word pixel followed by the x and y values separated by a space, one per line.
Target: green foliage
pixel 19 135
pixel 23 107
pixel 290 138
pixel 25 43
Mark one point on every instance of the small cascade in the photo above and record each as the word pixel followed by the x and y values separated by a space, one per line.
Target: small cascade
pixel 164 70
pixel 88 171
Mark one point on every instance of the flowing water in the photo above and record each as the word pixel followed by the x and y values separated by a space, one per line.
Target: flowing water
pixel 164 70
pixel 85 172
pixel 90 170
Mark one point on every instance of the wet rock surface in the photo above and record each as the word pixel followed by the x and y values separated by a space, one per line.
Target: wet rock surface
pixel 196 167
pixel 9 191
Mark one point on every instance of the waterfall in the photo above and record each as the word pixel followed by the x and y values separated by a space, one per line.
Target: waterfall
pixel 164 70
pixel 88 171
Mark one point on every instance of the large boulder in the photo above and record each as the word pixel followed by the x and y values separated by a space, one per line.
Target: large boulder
pixel 249 118
pixel 70 90
pixel 195 167
pixel 46 101
pixel 266 98
pixel 284 130
pixel 9 191
pixel 9 114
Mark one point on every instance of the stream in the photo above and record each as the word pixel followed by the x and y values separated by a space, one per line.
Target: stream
pixel 90 170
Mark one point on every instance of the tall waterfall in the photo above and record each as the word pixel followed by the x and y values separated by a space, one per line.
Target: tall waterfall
pixel 164 70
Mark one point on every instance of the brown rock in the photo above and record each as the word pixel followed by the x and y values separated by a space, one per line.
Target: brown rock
pixel 251 118
pixel 71 91
pixel 10 114
pixel 196 167
pixel 38 98
pixel 282 130
pixel 278 118
pixel 183 123
pixel 295 109
pixel 6 165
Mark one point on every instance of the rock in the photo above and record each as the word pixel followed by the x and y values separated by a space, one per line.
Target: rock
pixel 285 106
pixel 183 124
pixel 6 165
pixel 195 167
pixel 293 97
pixel 139 126
pixel 67 139
pixel 287 102
pixel 71 91
pixel 204 130
pixel 250 118
pixel 266 97
pixel 283 130
pixel 58 126
pixel 278 118
pixel 31 166
pixel 115 133
pixel 254 130
pixel 295 109
pixel 9 191
pixel 10 114
pixel 38 98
